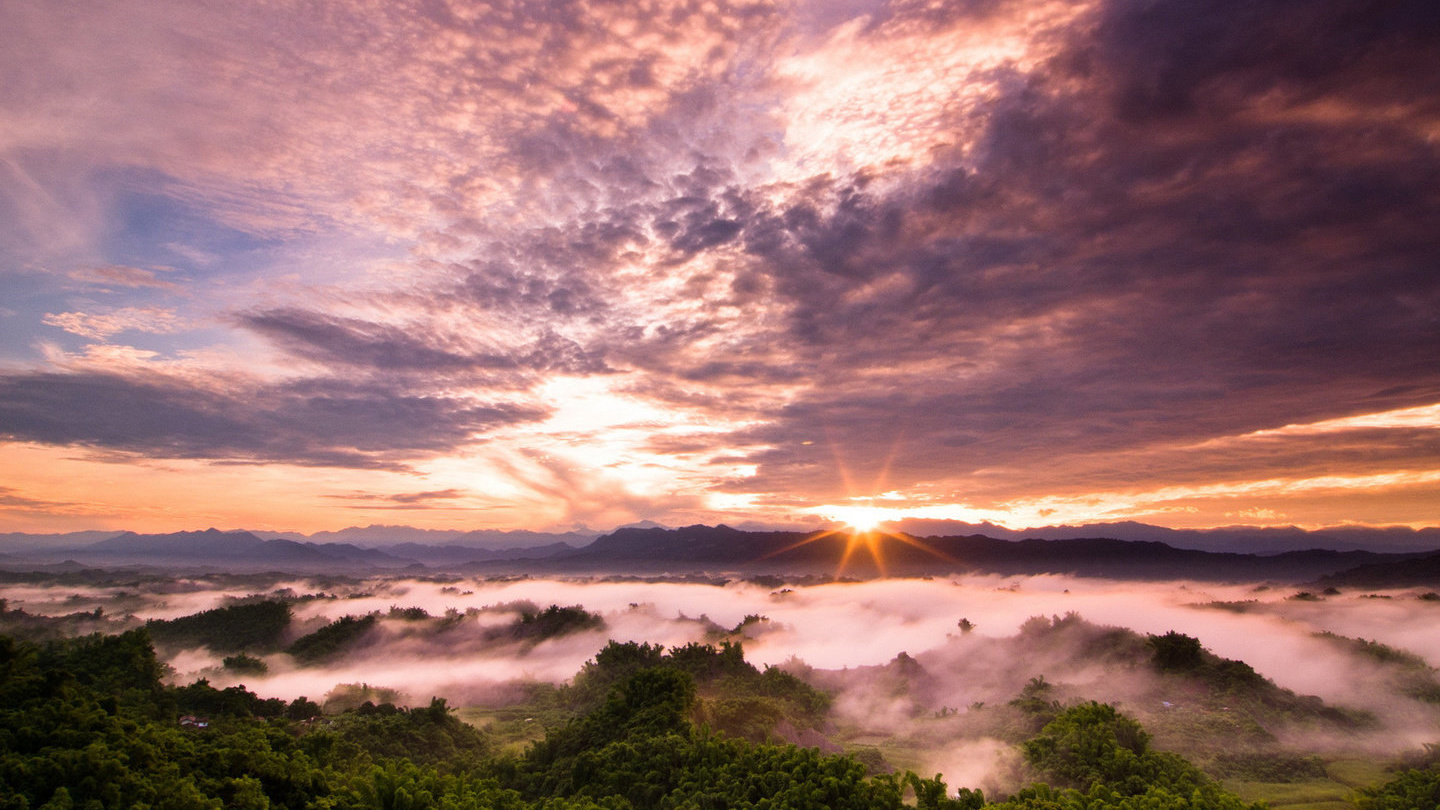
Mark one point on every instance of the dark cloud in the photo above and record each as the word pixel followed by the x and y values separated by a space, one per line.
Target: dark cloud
pixel 401 500
pixel 1176 59
pixel 501 288
pixel 315 422
pixel 351 341
pixel 1146 246
pixel 9 499
pixel 384 347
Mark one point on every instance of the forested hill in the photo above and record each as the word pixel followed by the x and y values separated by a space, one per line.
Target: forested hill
pixel 1420 571
pixel 88 723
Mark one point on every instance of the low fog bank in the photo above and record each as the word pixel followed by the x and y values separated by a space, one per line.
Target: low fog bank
pixel 829 626
pixel 914 660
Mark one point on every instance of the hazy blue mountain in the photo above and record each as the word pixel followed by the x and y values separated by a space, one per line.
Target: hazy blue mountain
pixel 358 555
pixel 1241 539
pixel 453 555
pixel 233 550
pixel 518 538
pixel 382 536
pixel 375 535
pixel 208 543
pixel 14 542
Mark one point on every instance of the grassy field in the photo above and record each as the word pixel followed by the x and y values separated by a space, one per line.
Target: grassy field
pixel 1342 778
pixel 512 728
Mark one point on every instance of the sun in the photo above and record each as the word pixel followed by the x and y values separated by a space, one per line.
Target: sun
pixel 865 534
pixel 860 519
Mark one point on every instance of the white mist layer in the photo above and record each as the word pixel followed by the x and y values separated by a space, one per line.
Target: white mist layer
pixel 831 626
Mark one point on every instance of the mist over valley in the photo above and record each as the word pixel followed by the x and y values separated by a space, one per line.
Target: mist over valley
pixel 1258 683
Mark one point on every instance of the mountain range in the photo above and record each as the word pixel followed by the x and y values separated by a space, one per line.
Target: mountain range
pixel 1239 539
pixel 655 550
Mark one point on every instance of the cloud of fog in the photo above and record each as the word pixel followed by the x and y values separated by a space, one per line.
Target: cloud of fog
pixel 844 638
pixel 973 763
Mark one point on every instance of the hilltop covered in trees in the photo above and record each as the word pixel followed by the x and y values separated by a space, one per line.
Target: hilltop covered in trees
pixel 88 722
pixel 453 693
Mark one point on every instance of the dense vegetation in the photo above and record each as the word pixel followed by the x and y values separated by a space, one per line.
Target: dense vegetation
pixel 734 697
pixel 1095 757
pixel 1411 790
pixel 87 723
pixel 22 624
pixel 1408 672
pixel 536 625
pixel 332 639
pixel 232 628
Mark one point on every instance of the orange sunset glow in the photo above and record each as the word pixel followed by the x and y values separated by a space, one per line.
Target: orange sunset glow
pixel 813 265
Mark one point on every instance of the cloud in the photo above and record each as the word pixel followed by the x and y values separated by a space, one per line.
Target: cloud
pixel 1089 280
pixel 1233 54
pixel 11 499
pixel 100 326
pixel 353 342
pixel 402 500
pixel 122 276
pixel 582 494
pixel 311 422
pixel 967 250
pixel 339 341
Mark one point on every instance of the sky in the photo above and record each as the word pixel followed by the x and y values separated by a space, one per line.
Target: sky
pixel 306 265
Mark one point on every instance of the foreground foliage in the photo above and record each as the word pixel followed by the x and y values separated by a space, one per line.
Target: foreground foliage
pixel 87 723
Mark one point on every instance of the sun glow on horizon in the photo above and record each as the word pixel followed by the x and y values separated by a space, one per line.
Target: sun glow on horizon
pixel 865 519
pixel 860 518
pixel 865 534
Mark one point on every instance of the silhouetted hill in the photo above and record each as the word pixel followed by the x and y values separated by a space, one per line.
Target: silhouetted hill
pixel 1409 573
pixel 694 548
pixel 1238 539
pixel 698 544
pixel 701 549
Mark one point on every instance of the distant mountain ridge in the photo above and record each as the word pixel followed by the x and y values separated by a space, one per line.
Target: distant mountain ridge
pixel 1240 539
pixel 1421 571
pixel 234 548
pixel 655 550
pixel 380 536
pixel 453 554
pixel 821 552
